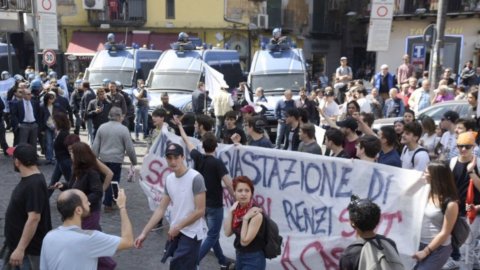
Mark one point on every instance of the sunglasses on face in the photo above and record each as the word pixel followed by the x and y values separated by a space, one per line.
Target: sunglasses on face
pixel 466 146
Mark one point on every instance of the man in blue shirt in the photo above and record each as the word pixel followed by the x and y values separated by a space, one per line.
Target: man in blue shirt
pixel 388 155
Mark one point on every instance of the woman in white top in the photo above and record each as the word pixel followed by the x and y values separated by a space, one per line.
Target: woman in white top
pixel 429 139
pixel 435 240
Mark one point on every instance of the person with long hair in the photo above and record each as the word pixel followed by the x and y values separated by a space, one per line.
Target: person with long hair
pixel 245 220
pixel 429 139
pixel 352 109
pixel 399 126
pixel 87 178
pixel 105 172
pixel 47 126
pixel 63 165
pixel 435 238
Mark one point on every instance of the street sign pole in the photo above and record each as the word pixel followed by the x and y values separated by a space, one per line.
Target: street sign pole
pixel 35 36
pixel 436 64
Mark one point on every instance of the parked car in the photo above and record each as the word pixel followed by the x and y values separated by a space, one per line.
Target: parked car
pixel 435 112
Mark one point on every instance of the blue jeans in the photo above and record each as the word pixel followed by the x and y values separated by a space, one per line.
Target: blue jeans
pixel 185 255
pixel 250 261
pixel 214 218
pixel 435 260
pixel 280 133
pixel 109 193
pixel 141 118
pixel 49 138
pixel 219 121
pixel 62 167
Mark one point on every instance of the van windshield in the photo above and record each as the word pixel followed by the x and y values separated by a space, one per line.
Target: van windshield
pixel 273 83
pixel 96 77
pixel 175 81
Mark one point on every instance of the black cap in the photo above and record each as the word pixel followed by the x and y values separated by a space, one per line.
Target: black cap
pixel 174 149
pixel 451 116
pixel 349 122
pixel 25 153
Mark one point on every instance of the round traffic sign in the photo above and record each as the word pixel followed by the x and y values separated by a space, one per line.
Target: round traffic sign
pixel 382 11
pixel 49 57
pixel 46 4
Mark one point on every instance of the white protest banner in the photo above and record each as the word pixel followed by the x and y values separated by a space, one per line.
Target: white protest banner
pixel 307 196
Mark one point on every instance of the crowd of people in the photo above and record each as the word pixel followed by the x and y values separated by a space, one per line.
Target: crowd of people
pixel 42 112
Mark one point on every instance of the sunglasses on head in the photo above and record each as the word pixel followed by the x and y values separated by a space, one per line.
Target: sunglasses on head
pixel 466 146
pixel 355 202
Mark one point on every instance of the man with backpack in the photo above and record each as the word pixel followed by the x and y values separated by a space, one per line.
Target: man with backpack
pixel 364 218
pixel 413 155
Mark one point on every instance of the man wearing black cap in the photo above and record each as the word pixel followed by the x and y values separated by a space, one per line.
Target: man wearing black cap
pixel 448 141
pixel 185 188
pixel 27 219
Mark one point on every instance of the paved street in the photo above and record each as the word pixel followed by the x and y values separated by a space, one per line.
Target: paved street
pixel 147 258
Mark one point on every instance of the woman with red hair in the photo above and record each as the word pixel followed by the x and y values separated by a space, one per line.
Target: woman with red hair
pixel 245 220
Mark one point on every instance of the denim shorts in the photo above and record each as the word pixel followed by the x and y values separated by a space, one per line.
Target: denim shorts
pixel 250 261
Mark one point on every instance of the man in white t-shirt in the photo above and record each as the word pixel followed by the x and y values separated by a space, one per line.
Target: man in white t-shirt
pixel 413 155
pixel 329 107
pixel 185 189
pixel 70 247
pixel 449 138
pixel 363 102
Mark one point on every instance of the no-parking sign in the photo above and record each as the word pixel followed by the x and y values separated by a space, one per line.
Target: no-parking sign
pixel 380 25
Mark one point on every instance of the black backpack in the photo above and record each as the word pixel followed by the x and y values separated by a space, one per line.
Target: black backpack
pixel 421 149
pixel 273 239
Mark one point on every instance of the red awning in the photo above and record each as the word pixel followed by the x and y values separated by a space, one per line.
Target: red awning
pixel 88 43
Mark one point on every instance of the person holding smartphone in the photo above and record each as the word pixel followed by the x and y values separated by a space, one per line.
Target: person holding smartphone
pixel 98 110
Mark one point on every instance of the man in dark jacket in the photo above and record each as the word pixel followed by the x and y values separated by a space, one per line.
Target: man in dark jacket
pixel 199 99
pixel 88 96
pixel 25 116
pixel 75 104
pixel 292 140
pixel 98 110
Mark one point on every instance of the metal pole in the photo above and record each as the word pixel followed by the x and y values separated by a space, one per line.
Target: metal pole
pixel 437 49
pixel 9 52
pixel 35 36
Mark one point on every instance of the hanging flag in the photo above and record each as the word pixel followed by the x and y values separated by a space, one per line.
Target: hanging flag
pixel 213 80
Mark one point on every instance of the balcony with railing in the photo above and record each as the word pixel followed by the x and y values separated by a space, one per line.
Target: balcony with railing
pixel 16 5
pixel 431 7
pixel 120 13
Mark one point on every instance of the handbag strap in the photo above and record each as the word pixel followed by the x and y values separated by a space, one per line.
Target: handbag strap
pixel 445 203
